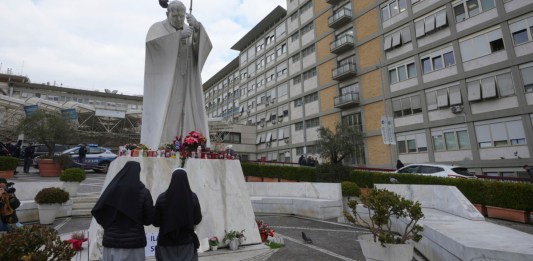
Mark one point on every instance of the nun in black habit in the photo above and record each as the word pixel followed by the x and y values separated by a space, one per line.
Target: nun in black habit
pixel 177 211
pixel 123 209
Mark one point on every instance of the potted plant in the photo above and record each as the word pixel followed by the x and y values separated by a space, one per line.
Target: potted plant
pixel 8 165
pixel 241 237
pixel 72 178
pixel 350 190
pixel 383 243
pixel 231 239
pixel 213 243
pixel 48 201
pixel 48 128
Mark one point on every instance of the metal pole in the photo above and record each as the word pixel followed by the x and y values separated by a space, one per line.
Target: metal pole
pixel 190 8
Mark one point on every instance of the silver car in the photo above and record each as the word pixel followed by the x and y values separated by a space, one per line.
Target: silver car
pixel 437 170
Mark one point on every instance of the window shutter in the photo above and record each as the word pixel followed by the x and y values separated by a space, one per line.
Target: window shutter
pixel 419 28
pixel 441 19
pixel 429 23
pixel 474 92
pixel 442 98
pixel 488 88
pixel 455 95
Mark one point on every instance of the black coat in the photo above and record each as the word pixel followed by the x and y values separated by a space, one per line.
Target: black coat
pixel 182 236
pixel 133 236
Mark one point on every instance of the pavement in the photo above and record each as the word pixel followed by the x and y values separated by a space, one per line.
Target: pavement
pixel 331 240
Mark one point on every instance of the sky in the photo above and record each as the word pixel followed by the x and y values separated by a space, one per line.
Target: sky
pixel 100 44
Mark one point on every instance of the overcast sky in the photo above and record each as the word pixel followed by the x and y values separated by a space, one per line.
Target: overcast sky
pixel 99 44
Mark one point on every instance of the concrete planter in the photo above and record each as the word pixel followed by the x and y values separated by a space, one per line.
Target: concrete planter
pixel 233 244
pixel 213 248
pixel 391 252
pixel 345 200
pixel 47 213
pixel 49 168
pixel 7 174
pixel 509 214
pixel 71 188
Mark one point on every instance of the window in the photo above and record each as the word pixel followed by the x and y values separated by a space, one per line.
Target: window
pixel 431 23
pixel 282 90
pixel 295 37
pixel 402 72
pixel 311 97
pixel 298 102
pixel 269 39
pixel 412 143
pixel 294 16
pixel 442 98
pixel 309 74
pixel 232 137
pixel 260 46
pixel 299 126
pixel 297 79
pixel 466 9
pixel 281 49
pixel 455 139
pixel 527 77
pixel 295 58
pixel 307 51
pixel 406 106
pixel 354 120
pixel 270 57
pixel 522 31
pixel 260 64
pixel 500 85
pixel 438 60
pixel 396 39
pixel 306 6
pixel 500 134
pixel 482 44
pixel 312 123
pixel 307 28
pixel 392 9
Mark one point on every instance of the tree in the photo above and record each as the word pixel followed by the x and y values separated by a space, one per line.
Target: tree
pixel 48 128
pixel 336 146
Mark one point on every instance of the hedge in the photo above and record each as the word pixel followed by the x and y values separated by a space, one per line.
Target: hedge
pixel 491 193
pixel 8 163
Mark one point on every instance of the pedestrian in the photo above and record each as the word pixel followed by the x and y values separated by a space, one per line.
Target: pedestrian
pixel 3 150
pixel 17 150
pixel 310 161
pixel 177 211
pixel 399 164
pixel 28 157
pixel 123 209
pixel 301 160
pixel 82 152
pixel 529 171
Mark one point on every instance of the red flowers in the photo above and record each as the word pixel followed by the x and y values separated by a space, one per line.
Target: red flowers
pixel 264 230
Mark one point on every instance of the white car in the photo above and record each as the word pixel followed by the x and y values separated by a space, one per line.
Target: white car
pixel 97 158
pixel 437 170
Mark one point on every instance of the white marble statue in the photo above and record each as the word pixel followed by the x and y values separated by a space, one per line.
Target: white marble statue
pixel 173 103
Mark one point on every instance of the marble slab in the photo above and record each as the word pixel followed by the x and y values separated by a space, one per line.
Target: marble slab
pixel 220 187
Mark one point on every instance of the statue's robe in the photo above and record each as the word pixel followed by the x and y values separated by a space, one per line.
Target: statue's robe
pixel 173 102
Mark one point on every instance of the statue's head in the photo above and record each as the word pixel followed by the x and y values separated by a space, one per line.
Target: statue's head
pixel 176 14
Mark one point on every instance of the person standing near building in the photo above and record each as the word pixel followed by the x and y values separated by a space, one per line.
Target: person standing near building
pixel 82 153
pixel 28 157
pixel 123 209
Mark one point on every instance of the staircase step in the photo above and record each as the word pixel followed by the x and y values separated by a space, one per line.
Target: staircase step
pixel 84 199
pixel 81 212
pixel 87 205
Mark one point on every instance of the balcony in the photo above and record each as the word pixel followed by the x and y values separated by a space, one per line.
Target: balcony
pixel 340 18
pixel 347 100
pixel 343 44
pixel 344 72
pixel 333 2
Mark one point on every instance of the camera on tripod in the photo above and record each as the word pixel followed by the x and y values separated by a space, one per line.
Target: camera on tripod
pixel 9 188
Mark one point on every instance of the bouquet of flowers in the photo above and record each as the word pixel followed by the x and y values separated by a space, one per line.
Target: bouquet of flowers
pixel 131 146
pixel 192 141
pixel 213 241
pixel 143 147
pixel 77 240
pixel 264 230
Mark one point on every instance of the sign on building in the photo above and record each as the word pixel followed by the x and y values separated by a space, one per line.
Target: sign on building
pixel 387 130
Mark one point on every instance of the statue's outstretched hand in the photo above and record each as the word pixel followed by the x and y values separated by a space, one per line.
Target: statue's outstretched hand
pixel 186 32
pixel 191 20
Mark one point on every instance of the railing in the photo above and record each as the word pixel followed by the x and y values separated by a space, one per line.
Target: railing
pixel 347 41
pixel 340 17
pixel 347 98
pixel 345 70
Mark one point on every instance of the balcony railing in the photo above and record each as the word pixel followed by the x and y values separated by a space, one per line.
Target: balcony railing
pixel 344 72
pixel 340 18
pixel 347 100
pixel 343 44
pixel 333 2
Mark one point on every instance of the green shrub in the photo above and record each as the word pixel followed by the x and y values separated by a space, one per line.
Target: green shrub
pixel 72 175
pixel 36 243
pixel 350 189
pixel 509 195
pixel 283 172
pixel 332 172
pixel 51 196
pixel 8 163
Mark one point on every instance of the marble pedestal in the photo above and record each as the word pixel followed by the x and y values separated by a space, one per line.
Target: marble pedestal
pixel 220 187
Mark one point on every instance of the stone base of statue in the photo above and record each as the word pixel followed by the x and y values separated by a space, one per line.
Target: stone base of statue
pixel 220 187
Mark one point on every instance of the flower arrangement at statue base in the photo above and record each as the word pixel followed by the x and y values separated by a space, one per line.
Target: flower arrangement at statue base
pixel 264 230
pixel 77 240
pixel 213 243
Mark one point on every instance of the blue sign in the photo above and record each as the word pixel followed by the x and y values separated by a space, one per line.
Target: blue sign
pixel 69 114
pixel 30 110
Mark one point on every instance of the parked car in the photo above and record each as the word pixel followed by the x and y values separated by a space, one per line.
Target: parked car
pixel 437 170
pixel 97 158
pixel 41 149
